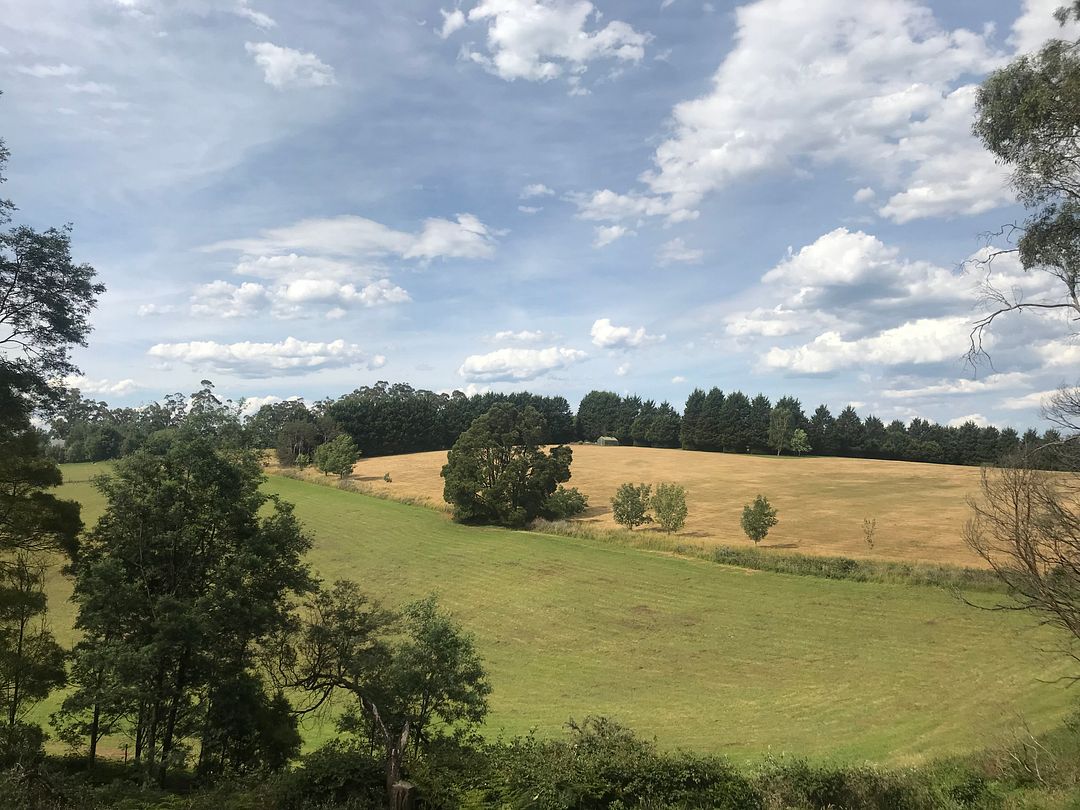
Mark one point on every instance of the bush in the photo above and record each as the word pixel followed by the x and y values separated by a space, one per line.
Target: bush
pixel 669 506
pixel 630 506
pixel 339 774
pixel 564 503
pixel 758 518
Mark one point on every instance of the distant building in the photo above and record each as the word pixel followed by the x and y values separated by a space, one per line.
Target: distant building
pixel 607 441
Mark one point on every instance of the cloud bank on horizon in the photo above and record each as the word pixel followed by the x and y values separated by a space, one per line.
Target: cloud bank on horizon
pixel 553 194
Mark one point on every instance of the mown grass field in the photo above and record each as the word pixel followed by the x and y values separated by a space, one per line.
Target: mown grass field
pixel 920 509
pixel 700 655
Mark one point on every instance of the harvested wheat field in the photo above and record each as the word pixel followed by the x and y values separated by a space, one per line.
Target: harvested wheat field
pixel 920 509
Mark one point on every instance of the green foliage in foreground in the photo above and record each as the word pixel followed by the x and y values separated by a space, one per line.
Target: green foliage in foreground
pixel 593 765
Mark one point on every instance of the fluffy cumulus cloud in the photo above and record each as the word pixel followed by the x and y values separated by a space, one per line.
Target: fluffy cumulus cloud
pixel 848 300
pixel 464 237
pixel 1036 24
pixel 960 386
pixel 296 298
pixel 518 365
pixel 926 340
pixel 604 235
pixel 608 336
pixel 540 40
pixel 251 359
pixel 675 251
pixel 976 418
pixel 879 87
pixel 101 387
pixel 535 190
pixel 522 336
pixel 286 67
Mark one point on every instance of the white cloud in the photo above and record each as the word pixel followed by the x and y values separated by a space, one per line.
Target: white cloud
pixel 993 382
pixel 43 71
pixel 1036 24
pixel 539 40
pixel 518 364
pixel 91 88
pixel 452 21
pixel 290 266
pixel 875 85
pixel 88 386
pixel 606 234
pixel 466 237
pixel 678 378
pixel 252 404
pixel 243 9
pixel 622 370
pixel 248 359
pixel 221 299
pixel 977 418
pixel 1032 401
pixel 776 322
pixel 524 336
pixel 149 310
pixel 1059 353
pixel 676 250
pixel 283 67
pixel 926 340
pixel 608 336
pixel 864 194
pixel 530 209
pixel 535 190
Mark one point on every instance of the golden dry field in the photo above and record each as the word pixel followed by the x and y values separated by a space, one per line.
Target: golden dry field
pixel 920 509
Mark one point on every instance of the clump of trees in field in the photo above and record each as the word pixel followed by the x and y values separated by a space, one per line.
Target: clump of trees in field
pixel 337 456
pixel 497 472
pixel 637 504
pixel 757 518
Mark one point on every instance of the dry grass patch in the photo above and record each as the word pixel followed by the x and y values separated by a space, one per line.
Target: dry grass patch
pixel 920 509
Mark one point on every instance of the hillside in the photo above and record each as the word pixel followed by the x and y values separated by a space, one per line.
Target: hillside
pixel 700 655
pixel 920 508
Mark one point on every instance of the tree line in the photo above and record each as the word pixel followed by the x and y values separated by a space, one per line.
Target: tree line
pixel 735 423
pixel 387 419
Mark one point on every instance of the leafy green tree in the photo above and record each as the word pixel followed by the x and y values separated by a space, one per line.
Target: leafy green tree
pixel 690 432
pixel 848 432
pixel 821 431
pixel 758 518
pixel 1028 115
pixel 564 502
pixel 337 456
pixel 434 679
pixel 709 433
pixel 496 472
pixel 31 661
pixel 630 506
pixel 599 415
pixel 799 443
pixel 262 428
pixel 296 438
pixel 411 676
pixel 735 428
pixel 780 428
pixel 760 417
pixel 642 425
pixel 665 427
pixel 669 506
pixel 189 573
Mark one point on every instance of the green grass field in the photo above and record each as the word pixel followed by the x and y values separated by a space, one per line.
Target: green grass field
pixel 699 655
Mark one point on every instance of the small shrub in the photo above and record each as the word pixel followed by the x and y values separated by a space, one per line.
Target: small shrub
pixel 387 478
pixel 630 506
pixel 338 774
pixel 758 518
pixel 564 503
pixel 669 506
pixel 869 530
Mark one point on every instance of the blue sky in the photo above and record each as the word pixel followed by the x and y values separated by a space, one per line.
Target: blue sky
pixel 295 199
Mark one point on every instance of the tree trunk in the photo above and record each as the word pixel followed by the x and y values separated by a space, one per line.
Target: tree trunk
pixel 95 724
pixel 402 796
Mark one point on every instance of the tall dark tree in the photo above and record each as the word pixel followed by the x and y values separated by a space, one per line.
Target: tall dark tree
pixel 693 413
pixel 710 432
pixel 821 430
pixel 760 415
pixel 666 426
pixel 496 472
pixel 848 432
pixel 735 428
pixel 189 571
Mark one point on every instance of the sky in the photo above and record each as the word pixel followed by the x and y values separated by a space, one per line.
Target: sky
pixel 297 199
